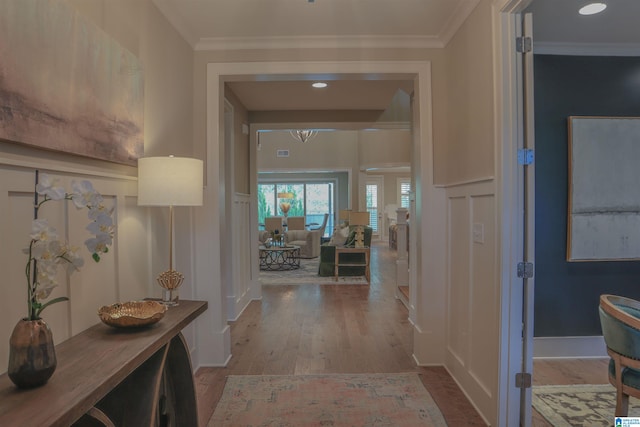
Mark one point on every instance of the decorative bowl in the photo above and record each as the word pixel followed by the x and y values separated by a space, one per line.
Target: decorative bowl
pixel 132 314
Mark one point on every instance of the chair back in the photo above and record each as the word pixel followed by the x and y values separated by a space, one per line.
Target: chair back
pixel 620 321
pixel 323 226
pixel 273 223
pixel 295 223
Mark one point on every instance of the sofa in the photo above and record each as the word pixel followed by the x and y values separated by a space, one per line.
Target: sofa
pixel 328 255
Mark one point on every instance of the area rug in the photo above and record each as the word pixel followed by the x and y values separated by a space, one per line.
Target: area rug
pixel 363 400
pixel 579 405
pixel 307 274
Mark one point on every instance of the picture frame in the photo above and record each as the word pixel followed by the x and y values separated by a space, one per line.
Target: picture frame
pixel 604 192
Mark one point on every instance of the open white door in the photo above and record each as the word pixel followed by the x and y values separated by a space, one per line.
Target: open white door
pixel 526 267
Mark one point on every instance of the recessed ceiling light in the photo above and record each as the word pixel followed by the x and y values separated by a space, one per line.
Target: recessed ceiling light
pixel 592 8
pixel 319 85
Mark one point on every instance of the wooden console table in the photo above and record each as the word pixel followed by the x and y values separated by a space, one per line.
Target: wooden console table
pixel 114 377
pixel 351 250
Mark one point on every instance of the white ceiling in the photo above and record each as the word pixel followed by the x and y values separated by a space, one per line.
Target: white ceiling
pixel 264 24
pixel 558 28
pixel 209 24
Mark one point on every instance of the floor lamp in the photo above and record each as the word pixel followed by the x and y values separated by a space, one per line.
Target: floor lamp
pixel 170 181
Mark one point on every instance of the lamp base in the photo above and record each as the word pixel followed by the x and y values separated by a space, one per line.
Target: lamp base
pixel 170 280
pixel 359 240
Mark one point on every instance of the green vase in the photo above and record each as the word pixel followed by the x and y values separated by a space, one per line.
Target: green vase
pixel 32 355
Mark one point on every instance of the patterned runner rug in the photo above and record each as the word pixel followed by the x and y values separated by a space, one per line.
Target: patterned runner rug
pixel 398 400
pixel 579 405
pixel 305 275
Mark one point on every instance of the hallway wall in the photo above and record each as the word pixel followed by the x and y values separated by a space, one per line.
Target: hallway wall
pixel 574 86
pixel 140 251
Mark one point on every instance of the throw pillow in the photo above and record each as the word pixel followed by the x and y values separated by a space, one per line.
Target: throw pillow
pixel 339 236
pixel 351 239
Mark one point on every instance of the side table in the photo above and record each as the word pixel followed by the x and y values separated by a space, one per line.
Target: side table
pixel 349 250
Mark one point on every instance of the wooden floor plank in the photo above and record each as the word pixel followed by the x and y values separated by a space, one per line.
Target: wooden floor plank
pixel 323 329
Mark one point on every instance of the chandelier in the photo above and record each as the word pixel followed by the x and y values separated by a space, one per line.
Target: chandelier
pixel 303 135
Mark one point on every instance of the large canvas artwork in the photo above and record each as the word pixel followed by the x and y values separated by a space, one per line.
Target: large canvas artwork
pixel 604 195
pixel 65 85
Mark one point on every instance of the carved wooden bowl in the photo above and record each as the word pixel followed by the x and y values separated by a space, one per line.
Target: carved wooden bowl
pixel 132 314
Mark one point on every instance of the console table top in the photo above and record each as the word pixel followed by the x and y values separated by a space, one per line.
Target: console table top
pixel 90 364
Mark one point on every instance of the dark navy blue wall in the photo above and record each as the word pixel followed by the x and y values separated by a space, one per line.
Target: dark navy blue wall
pixel 567 293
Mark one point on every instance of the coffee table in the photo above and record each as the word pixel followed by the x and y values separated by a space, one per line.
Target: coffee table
pixel 279 258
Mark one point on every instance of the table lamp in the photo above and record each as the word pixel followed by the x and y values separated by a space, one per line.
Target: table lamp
pixel 170 181
pixel 284 205
pixel 343 216
pixel 359 220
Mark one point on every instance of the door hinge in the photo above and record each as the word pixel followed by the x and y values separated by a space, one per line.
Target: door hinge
pixel 525 270
pixel 525 156
pixel 524 44
pixel 523 380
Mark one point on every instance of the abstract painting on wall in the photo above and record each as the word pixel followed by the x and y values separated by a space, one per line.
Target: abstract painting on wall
pixel 65 85
pixel 604 195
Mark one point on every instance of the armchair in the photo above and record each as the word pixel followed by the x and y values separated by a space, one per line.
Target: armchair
pixel 328 256
pixel 308 240
pixel 620 321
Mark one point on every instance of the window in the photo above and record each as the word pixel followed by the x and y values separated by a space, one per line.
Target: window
pixel 310 199
pixel 404 192
pixel 372 205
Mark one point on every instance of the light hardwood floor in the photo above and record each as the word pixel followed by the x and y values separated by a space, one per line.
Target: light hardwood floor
pixel 317 329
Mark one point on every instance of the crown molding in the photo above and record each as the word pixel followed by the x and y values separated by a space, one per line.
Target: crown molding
pixel 319 42
pixel 586 49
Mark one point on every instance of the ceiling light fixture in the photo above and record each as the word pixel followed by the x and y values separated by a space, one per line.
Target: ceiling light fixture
pixel 319 85
pixel 592 8
pixel 303 135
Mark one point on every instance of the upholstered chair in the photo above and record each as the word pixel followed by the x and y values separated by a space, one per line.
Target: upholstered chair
pixel 620 321
pixel 295 223
pixel 273 223
pixel 308 240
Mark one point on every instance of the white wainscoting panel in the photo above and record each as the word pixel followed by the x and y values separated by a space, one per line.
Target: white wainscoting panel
pixel 240 288
pixel 473 298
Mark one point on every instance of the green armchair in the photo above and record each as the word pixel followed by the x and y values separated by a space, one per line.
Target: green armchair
pixel 620 321
pixel 328 257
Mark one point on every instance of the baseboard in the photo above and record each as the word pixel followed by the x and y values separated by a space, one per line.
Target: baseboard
pixel 569 347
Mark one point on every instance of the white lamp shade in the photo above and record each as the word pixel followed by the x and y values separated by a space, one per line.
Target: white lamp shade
pixel 359 218
pixel 169 181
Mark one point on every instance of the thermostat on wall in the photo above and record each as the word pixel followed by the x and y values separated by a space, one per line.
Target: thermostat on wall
pixel 282 153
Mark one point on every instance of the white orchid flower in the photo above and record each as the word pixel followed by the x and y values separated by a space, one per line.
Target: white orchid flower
pixel 46 253
pixel 41 231
pixel 98 244
pixel 44 290
pixel 73 259
pixel 47 187
pixel 98 209
pixel 102 224
pixel 84 195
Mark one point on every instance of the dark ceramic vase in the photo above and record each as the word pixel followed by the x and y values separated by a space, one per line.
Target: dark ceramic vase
pixel 32 355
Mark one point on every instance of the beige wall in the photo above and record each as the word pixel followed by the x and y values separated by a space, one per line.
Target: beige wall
pixel 240 143
pixel 469 150
pixel 384 148
pixel 141 247
pixel 473 304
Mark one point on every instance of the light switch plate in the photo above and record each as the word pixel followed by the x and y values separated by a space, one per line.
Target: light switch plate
pixel 478 232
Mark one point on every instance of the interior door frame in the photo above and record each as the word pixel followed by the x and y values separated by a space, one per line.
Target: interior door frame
pixel 510 130
pixel 212 331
